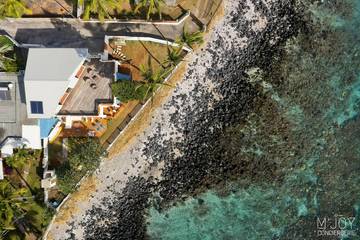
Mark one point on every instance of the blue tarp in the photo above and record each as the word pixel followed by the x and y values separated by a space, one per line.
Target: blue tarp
pixel 46 125
pixel 122 76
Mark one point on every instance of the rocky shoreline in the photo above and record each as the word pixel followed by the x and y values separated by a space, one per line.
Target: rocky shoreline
pixel 183 140
pixel 196 160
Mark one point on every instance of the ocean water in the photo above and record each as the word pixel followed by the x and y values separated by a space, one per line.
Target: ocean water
pixel 315 129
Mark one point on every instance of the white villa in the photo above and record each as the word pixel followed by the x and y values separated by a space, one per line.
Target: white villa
pixel 49 73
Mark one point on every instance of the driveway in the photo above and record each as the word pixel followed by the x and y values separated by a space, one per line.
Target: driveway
pixel 74 33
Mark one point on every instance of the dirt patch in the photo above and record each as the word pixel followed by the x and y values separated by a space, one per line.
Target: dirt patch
pixel 204 10
pixel 144 53
pixel 50 8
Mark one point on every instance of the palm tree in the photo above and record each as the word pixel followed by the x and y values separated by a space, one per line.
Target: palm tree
pixel 152 6
pixel 103 8
pixel 6 47
pixel 152 79
pixel 191 38
pixel 13 208
pixel 13 8
pixel 17 161
pixel 174 56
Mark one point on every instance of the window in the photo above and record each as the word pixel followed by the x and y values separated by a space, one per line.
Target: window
pixel 36 107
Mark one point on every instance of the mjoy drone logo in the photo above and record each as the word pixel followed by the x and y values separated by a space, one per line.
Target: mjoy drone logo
pixel 337 226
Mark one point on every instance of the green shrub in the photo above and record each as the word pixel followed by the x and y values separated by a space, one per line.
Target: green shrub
pixel 10 66
pixel 9 60
pixel 128 90
pixel 13 8
pixel 84 155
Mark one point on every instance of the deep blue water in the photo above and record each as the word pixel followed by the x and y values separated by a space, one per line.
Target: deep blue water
pixel 319 149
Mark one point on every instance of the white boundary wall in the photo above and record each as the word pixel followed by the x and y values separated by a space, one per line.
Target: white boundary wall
pixel 175 22
pixel 147 39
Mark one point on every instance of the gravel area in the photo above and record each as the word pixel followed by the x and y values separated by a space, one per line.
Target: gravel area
pixel 178 153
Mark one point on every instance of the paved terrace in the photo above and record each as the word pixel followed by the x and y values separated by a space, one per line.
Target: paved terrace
pixel 74 33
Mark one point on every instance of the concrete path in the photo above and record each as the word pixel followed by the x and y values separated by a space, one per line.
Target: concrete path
pixel 75 33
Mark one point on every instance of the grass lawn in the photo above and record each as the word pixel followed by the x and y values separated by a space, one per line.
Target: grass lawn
pixel 141 53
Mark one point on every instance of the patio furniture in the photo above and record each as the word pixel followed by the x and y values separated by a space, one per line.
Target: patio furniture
pixel 102 126
pixel 91 133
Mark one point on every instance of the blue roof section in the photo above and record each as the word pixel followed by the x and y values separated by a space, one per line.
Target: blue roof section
pixel 46 125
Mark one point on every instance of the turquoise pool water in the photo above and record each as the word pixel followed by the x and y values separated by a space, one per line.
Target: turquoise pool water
pixel 46 125
pixel 319 103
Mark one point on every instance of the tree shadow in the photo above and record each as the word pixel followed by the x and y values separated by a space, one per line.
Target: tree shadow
pixel 2 133
pixel 60 34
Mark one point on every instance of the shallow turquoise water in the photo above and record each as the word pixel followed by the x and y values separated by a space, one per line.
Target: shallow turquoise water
pixel 320 102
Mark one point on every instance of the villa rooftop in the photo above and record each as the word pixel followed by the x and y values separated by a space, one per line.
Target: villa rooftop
pixel 48 73
pixel 92 88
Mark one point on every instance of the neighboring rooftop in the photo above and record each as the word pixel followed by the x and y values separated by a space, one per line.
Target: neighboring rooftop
pixel 92 88
pixel 49 72
pixel 8 97
pixel 12 106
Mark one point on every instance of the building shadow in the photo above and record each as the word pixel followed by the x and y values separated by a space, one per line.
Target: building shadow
pixel 61 34
pixel 21 87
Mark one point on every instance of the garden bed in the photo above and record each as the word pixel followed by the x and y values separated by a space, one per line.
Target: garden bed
pixel 127 12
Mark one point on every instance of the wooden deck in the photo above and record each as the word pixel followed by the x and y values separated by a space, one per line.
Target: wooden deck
pixel 92 88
